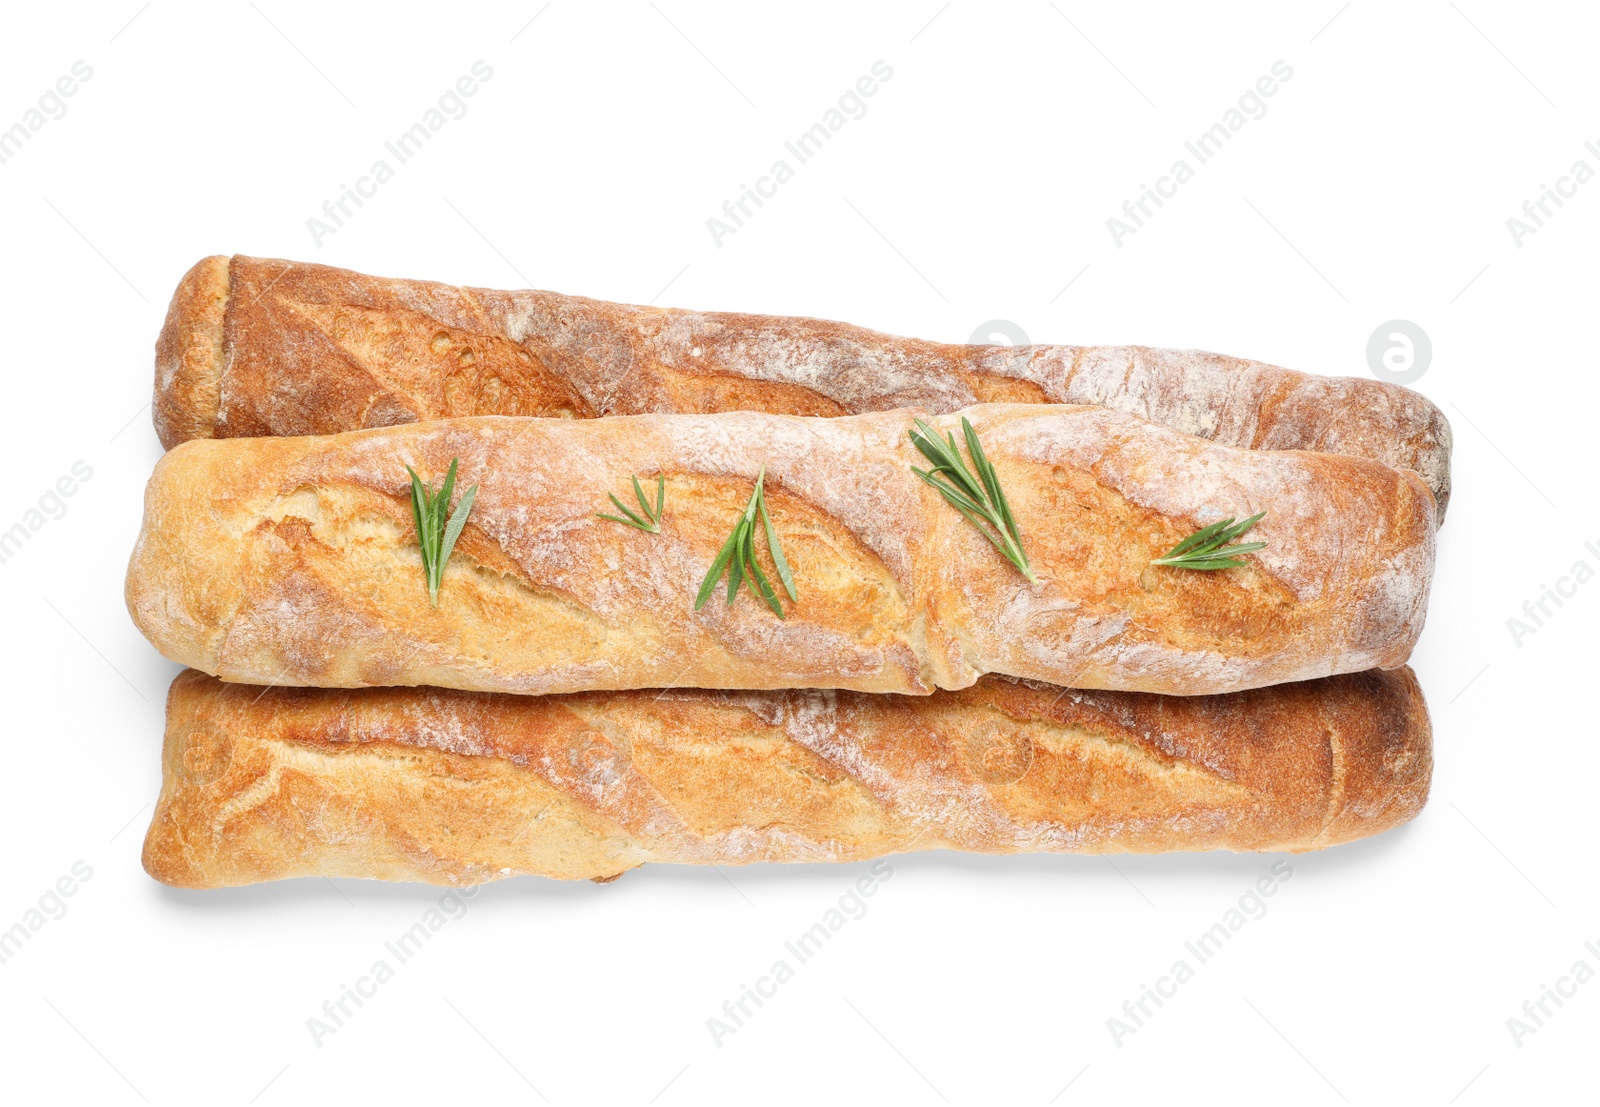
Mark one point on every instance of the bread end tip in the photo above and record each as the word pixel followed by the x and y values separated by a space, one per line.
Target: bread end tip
pixel 189 354
pixel 1388 774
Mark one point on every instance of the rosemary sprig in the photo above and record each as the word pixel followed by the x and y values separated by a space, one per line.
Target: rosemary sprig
pixel 437 533
pixel 651 519
pixel 1208 547
pixel 738 556
pixel 977 496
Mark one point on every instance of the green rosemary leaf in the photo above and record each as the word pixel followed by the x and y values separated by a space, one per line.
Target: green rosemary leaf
pixel 978 522
pixel 992 484
pixel 1228 558
pixel 1200 537
pixel 419 506
pixel 437 527
pixel 715 571
pixel 1208 563
pixel 647 518
pixel 779 562
pixel 933 447
pixel 957 467
pixel 1208 548
pixel 738 556
pixel 960 500
pixel 763 584
pixel 626 510
pixel 1242 528
pixel 985 471
pixel 946 459
pixel 741 536
pixel 441 502
pixel 973 491
pixel 922 438
pixel 631 519
pixel 458 520
pixel 970 511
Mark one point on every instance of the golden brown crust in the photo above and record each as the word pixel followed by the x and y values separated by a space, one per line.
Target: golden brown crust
pixel 459 787
pixel 190 354
pixel 312 349
pixel 291 561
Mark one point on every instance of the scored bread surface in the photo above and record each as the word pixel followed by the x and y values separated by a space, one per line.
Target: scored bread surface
pixel 457 788
pixel 294 561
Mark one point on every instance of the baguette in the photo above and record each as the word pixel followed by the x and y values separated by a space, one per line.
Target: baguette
pixel 265 347
pixel 457 788
pixel 293 560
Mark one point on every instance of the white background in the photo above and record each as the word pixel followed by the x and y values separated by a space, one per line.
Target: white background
pixel 977 186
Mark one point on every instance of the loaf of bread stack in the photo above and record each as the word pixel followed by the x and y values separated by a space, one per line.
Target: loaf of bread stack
pixel 277 559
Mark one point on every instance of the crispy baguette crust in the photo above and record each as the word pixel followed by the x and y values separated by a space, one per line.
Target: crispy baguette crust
pixel 310 349
pixel 293 560
pixel 190 354
pixel 460 787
